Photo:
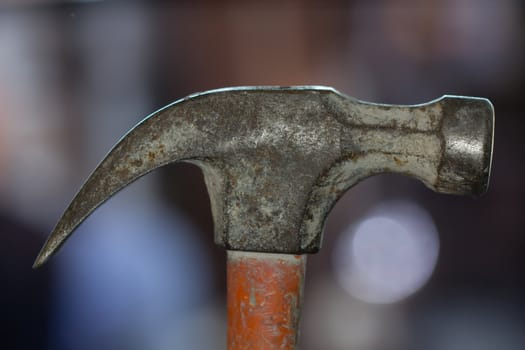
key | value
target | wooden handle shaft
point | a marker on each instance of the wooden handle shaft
(264, 300)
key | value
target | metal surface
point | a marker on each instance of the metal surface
(264, 300)
(276, 159)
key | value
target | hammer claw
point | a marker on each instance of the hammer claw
(154, 142)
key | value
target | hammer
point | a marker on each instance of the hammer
(275, 161)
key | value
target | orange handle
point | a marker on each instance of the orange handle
(264, 300)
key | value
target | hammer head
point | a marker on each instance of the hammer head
(277, 159)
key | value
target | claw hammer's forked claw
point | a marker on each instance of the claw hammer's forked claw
(276, 160)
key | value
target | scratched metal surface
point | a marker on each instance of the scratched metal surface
(277, 159)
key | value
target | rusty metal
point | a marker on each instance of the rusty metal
(277, 159)
(264, 300)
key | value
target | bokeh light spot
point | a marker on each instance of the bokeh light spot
(389, 255)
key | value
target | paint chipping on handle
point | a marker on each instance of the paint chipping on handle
(264, 300)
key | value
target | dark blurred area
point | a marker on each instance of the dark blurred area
(75, 76)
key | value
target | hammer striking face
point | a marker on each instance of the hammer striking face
(276, 159)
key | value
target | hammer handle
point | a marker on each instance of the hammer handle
(264, 300)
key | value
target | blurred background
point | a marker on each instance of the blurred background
(401, 267)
